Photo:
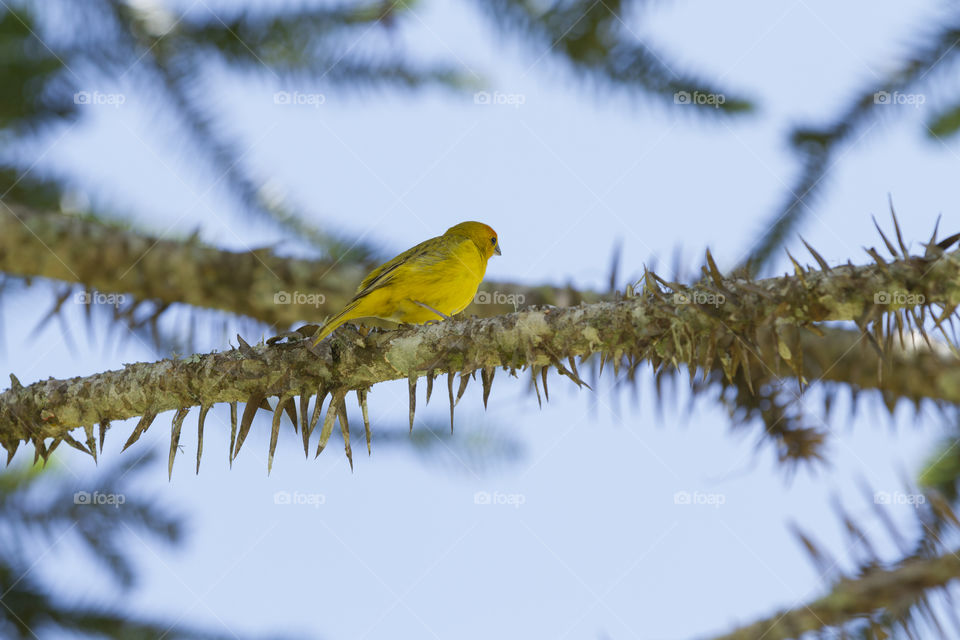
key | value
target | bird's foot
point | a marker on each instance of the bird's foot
(302, 333)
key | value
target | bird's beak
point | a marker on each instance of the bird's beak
(496, 249)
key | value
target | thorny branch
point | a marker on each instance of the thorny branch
(862, 596)
(747, 328)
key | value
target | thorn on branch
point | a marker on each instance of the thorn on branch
(254, 402)
(145, 421)
(175, 427)
(204, 408)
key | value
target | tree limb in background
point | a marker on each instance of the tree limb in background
(169, 55)
(308, 45)
(817, 148)
(43, 507)
(595, 41)
(259, 284)
(34, 93)
(881, 588)
(878, 597)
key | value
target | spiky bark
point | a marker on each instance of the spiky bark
(757, 327)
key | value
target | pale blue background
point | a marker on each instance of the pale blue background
(399, 549)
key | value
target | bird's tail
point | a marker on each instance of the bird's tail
(335, 321)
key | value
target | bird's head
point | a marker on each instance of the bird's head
(482, 235)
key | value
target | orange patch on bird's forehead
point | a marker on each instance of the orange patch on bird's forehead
(473, 228)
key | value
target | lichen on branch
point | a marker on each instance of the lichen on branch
(731, 325)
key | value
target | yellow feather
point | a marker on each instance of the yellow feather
(437, 278)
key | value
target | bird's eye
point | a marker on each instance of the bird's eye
(493, 241)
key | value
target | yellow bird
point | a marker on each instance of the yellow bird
(434, 280)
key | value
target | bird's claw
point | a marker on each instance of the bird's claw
(302, 333)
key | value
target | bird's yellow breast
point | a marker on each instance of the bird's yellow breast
(447, 282)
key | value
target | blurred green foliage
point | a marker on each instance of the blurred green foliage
(47, 517)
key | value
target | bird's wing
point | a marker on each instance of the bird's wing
(426, 253)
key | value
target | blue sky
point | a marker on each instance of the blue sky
(584, 537)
